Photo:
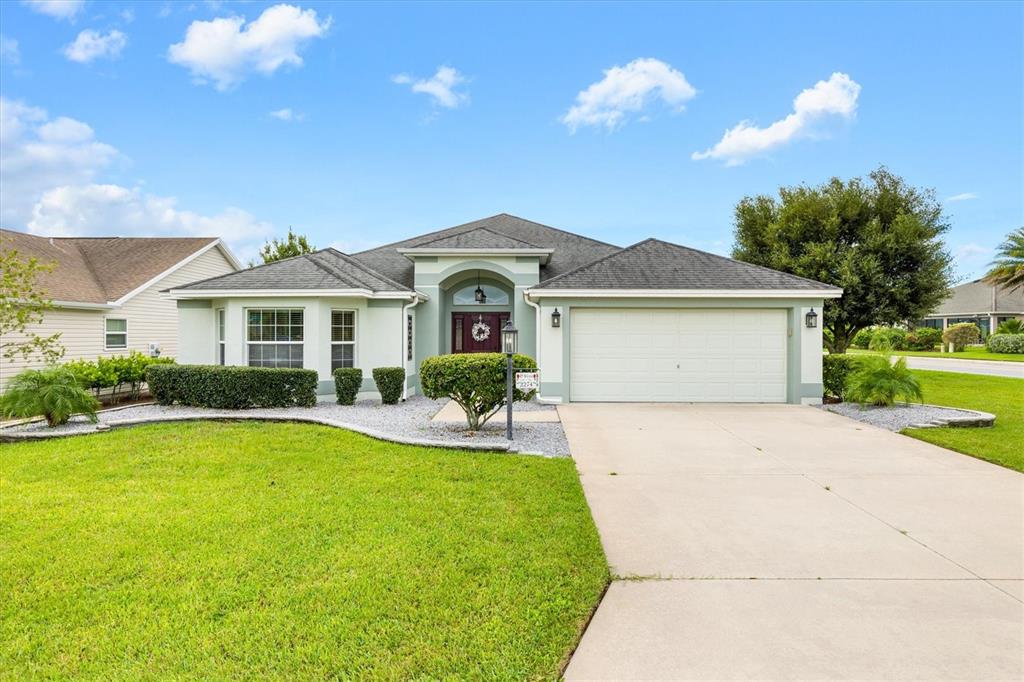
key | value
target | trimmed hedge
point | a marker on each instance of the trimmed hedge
(1006, 343)
(476, 381)
(232, 388)
(347, 382)
(924, 338)
(834, 373)
(962, 334)
(390, 381)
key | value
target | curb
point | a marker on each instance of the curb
(372, 433)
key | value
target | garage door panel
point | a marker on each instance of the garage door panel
(678, 355)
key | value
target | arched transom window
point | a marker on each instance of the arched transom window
(467, 295)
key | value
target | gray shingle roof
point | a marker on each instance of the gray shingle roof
(569, 250)
(977, 297)
(654, 264)
(324, 269)
(480, 238)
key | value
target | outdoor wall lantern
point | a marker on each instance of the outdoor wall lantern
(556, 318)
(479, 294)
(811, 319)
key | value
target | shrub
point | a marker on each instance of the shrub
(962, 334)
(888, 338)
(924, 338)
(91, 375)
(862, 339)
(115, 372)
(1010, 327)
(1006, 343)
(476, 381)
(390, 381)
(347, 381)
(53, 392)
(835, 370)
(233, 388)
(878, 380)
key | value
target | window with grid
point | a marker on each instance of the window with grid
(220, 336)
(116, 333)
(343, 339)
(274, 337)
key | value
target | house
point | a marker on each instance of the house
(651, 322)
(980, 303)
(105, 290)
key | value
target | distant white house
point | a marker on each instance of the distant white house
(105, 291)
(980, 303)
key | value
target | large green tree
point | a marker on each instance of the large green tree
(289, 247)
(879, 238)
(1008, 268)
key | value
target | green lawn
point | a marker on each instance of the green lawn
(962, 355)
(1003, 397)
(258, 550)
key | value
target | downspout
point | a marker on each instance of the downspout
(405, 342)
(537, 330)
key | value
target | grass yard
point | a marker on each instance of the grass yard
(258, 550)
(1003, 397)
(980, 354)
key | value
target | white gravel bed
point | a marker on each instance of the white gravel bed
(410, 420)
(902, 416)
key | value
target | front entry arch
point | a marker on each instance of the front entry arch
(477, 332)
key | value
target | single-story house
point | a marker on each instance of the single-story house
(980, 303)
(651, 322)
(105, 291)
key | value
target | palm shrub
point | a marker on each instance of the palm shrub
(1008, 268)
(476, 381)
(347, 381)
(390, 381)
(1006, 343)
(1014, 326)
(880, 381)
(962, 334)
(924, 338)
(53, 392)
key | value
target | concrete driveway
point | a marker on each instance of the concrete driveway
(995, 368)
(784, 542)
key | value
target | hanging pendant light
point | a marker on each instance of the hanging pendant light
(479, 294)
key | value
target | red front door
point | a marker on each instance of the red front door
(477, 332)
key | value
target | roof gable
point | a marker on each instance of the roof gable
(655, 264)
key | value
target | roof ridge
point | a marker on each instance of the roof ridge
(92, 271)
(558, 229)
(331, 270)
(250, 268)
(477, 229)
(365, 268)
(593, 262)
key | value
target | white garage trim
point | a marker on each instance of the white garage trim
(678, 355)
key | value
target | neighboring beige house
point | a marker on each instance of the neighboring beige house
(106, 290)
(980, 303)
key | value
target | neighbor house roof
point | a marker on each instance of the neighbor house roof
(102, 270)
(325, 269)
(655, 264)
(569, 250)
(979, 298)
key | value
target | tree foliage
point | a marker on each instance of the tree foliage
(1008, 267)
(878, 238)
(289, 247)
(22, 305)
(476, 381)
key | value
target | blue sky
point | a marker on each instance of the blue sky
(392, 120)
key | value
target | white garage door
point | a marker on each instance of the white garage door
(672, 355)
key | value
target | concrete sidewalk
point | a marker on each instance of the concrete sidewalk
(784, 542)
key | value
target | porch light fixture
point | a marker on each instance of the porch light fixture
(556, 318)
(811, 319)
(509, 344)
(479, 296)
(509, 340)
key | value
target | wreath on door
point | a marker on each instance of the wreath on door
(480, 331)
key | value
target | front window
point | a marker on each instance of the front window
(116, 333)
(343, 339)
(220, 336)
(274, 337)
(467, 295)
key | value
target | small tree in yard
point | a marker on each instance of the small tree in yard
(962, 334)
(22, 304)
(476, 381)
(879, 239)
(289, 247)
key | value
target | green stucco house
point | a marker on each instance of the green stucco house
(653, 322)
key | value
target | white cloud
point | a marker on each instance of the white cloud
(10, 54)
(58, 9)
(972, 251)
(91, 44)
(835, 97)
(287, 114)
(37, 153)
(224, 50)
(628, 89)
(441, 86)
(966, 196)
